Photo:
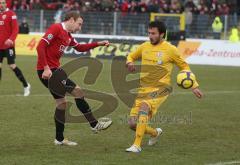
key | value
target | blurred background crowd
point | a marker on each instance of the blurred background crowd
(203, 18)
(217, 7)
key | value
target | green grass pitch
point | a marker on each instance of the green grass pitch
(195, 131)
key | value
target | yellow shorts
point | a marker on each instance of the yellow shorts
(153, 103)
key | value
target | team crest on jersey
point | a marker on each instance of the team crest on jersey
(4, 17)
(62, 48)
(50, 36)
(159, 54)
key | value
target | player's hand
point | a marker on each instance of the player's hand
(103, 43)
(131, 67)
(197, 92)
(8, 43)
(47, 73)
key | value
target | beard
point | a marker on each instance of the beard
(154, 42)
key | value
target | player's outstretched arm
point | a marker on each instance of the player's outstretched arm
(87, 47)
(103, 43)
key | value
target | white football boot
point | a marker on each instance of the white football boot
(27, 90)
(134, 149)
(102, 125)
(65, 142)
(153, 140)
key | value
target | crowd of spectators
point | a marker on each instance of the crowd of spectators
(217, 7)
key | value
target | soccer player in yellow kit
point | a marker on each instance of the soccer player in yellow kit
(160, 55)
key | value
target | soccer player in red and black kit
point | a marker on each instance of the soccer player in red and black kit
(8, 33)
(50, 49)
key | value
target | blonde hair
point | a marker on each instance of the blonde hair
(72, 14)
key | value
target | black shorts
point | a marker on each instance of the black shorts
(59, 84)
(9, 53)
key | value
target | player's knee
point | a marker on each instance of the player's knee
(77, 92)
(12, 66)
(61, 103)
(132, 126)
(144, 107)
(132, 123)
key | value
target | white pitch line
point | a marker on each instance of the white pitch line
(114, 94)
(208, 92)
(225, 163)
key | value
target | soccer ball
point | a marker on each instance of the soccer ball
(185, 79)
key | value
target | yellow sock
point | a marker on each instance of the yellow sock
(151, 131)
(140, 130)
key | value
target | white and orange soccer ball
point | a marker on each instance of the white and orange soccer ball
(185, 79)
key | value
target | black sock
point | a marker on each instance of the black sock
(0, 73)
(20, 76)
(85, 109)
(59, 118)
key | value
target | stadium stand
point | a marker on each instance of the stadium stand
(121, 17)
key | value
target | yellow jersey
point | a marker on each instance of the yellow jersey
(157, 61)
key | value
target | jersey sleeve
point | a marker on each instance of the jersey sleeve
(51, 34)
(176, 57)
(15, 27)
(73, 42)
(133, 56)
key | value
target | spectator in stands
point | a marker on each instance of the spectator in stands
(165, 8)
(15, 5)
(153, 6)
(97, 5)
(67, 7)
(24, 27)
(86, 6)
(175, 7)
(107, 5)
(36, 5)
(24, 5)
(116, 6)
(225, 9)
(134, 7)
(189, 20)
(213, 7)
(76, 6)
(217, 7)
(190, 5)
(217, 27)
(125, 6)
(203, 8)
(234, 37)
